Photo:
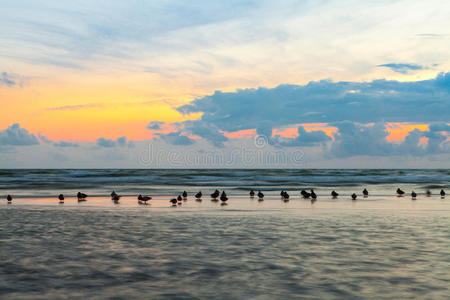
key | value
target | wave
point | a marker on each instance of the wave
(161, 181)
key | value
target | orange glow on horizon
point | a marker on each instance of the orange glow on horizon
(240, 134)
(286, 132)
(399, 131)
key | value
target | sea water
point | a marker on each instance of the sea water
(379, 247)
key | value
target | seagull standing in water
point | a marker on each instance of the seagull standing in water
(81, 196)
(400, 193)
(61, 198)
(184, 194)
(252, 193)
(305, 194)
(215, 194)
(199, 195)
(285, 196)
(260, 195)
(354, 196)
(223, 197)
(365, 192)
(313, 195)
(116, 198)
(413, 195)
(334, 194)
(173, 201)
(9, 198)
(442, 193)
(144, 198)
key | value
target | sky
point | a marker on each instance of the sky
(186, 84)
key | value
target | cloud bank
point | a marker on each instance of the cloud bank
(360, 114)
(17, 136)
(319, 102)
(110, 143)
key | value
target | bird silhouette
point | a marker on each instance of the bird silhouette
(260, 195)
(81, 196)
(365, 192)
(413, 195)
(215, 194)
(184, 194)
(113, 194)
(334, 194)
(199, 195)
(144, 198)
(9, 198)
(223, 197)
(313, 195)
(354, 196)
(442, 193)
(173, 201)
(400, 192)
(179, 198)
(252, 193)
(305, 194)
(61, 198)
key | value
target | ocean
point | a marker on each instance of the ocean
(379, 247)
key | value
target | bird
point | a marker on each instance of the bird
(400, 192)
(428, 193)
(354, 196)
(334, 194)
(179, 198)
(215, 194)
(282, 193)
(223, 197)
(252, 193)
(413, 195)
(116, 198)
(199, 195)
(81, 196)
(442, 193)
(61, 198)
(173, 201)
(184, 194)
(365, 192)
(113, 194)
(260, 195)
(285, 197)
(9, 198)
(313, 195)
(305, 194)
(144, 198)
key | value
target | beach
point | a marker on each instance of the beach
(379, 247)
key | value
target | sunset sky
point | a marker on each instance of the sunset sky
(346, 83)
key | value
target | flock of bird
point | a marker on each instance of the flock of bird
(224, 198)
